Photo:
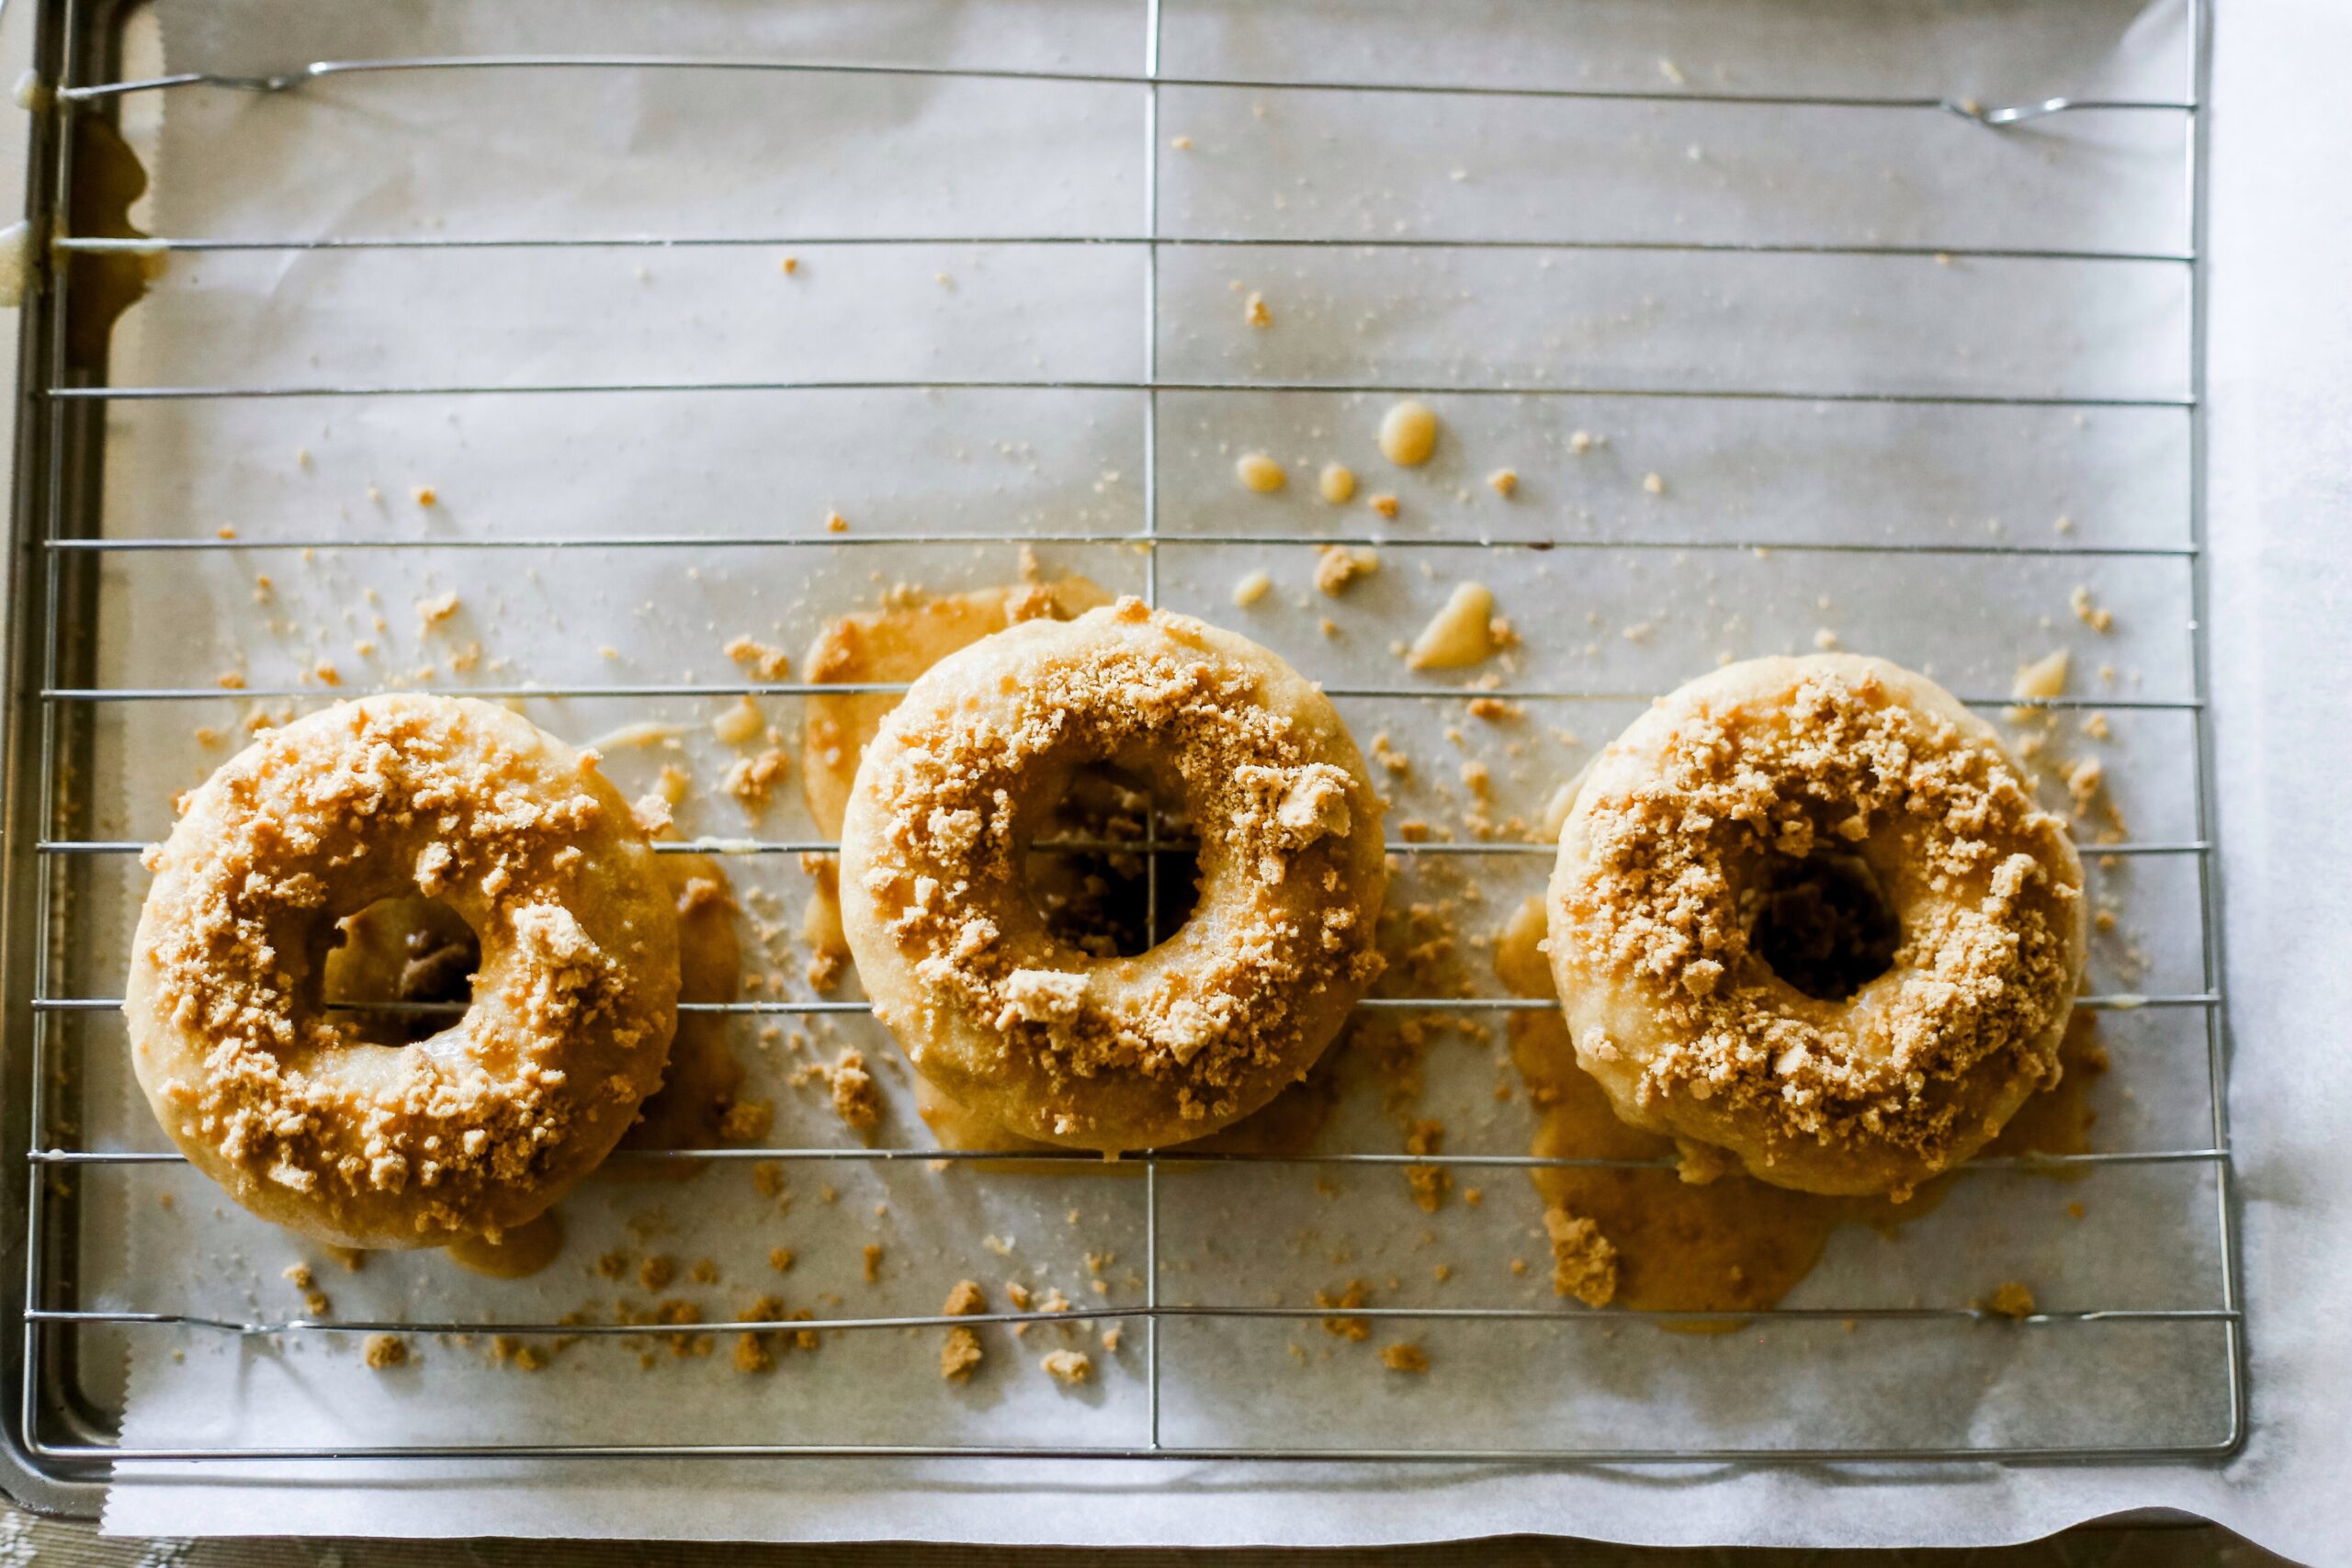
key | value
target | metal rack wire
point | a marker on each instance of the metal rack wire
(45, 840)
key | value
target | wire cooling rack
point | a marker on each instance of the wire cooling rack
(56, 843)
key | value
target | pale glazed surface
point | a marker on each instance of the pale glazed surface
(1691, 1033)
(1028, 1031)
(479, 1128)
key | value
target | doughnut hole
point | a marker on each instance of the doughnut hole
(1823, 923)
(401, 969)
(1091, 891)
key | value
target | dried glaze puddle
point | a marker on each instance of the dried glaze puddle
(1735, 1244)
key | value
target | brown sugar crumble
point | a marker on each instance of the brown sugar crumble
(381, 1352)
(1069, 1368)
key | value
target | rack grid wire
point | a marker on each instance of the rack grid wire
(51, 583)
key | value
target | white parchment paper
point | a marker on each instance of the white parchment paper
(761, 156)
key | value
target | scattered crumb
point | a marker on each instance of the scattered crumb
(1385, 504)
(1338, 483)
(966, 1299)
(1459, 634)
(1671, 72)
(873, 1251)
(1408, 433)
(1404, 1357)
(2089, 613)
(381, 1351)
(1338, 565)
(780, 1258)
(855, 1100)
(1069, 1368)
(750, 1356)
(1182, 143)
(426, 496)
(1504, 483)
(1580, 442)
(959, 1354)
(2094, 725)
(768, 664)
(1654, 483)
(1354, 1329)
(790, 265)
(1584, 1262)
(836, 523)
(1824, 639)
(750, 779)
(655, 1273)
(2084, 781)
(1254, 311)
(1252, 588)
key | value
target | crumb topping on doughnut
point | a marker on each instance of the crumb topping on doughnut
(1988, 959)
(950, 858)
(279, 845)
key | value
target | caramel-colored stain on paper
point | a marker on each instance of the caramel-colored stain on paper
(1736, 1244)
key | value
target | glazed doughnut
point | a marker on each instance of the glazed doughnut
(1030, 1032)
(480, 1127)
(414, 950)
(1705, 818)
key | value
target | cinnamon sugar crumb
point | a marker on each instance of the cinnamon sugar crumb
(1584, 1262)
(959, 1354)
(2089, 613)
(1404, 1356)
(1353, 1329)
(767, 664)
(855, 1100)
(751, 779)
(1338, 565)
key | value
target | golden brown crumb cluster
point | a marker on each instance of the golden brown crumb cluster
(1826, 755)
(480, 1127)
(965, 781)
